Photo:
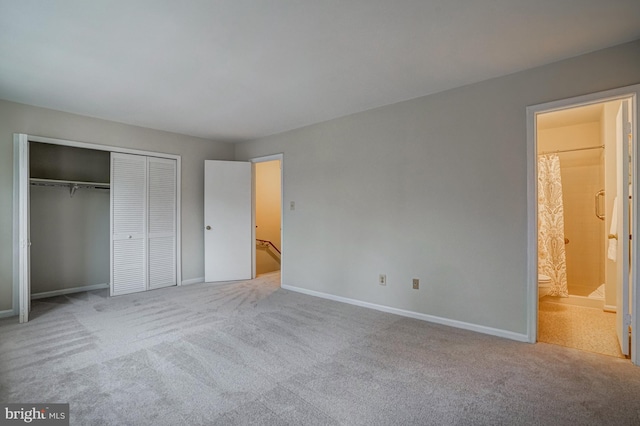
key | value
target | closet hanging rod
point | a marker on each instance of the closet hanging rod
(558, 151)
(73, 185)
(52, 182)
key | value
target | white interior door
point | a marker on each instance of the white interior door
(228, 239)
(623, 319)
(128, 223)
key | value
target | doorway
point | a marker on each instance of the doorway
(577, 253)
(581, 294)
(243, 219)
(267, 216)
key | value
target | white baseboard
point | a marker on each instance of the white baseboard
(610, 308)
(7, 313)
(193, 281)
(416, 315)
(68, 291)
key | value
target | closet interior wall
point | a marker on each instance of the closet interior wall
(69, 232)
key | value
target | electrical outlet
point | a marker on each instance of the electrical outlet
(382, 279)
(416, 284)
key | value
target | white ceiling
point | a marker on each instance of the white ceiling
(241, 69)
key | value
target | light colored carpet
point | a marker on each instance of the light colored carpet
(588, 329)
(252, 353)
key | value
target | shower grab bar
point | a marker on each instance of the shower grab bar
(598, 195)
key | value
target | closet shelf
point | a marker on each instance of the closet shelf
(73, 185)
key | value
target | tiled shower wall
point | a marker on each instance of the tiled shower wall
(585, 251)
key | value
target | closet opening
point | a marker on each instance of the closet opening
(92, 220)
(69, 222)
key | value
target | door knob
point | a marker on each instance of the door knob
(208, 228)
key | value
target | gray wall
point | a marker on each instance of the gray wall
(18, 118)
(69, 238)
(433, 188)
(61, 162)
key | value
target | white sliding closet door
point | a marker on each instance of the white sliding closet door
(128, 223)
(162, 222)
(143, 223)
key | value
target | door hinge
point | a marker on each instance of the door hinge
(627, 320)
(627, 128)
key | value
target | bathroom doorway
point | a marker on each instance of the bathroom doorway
(583, 210)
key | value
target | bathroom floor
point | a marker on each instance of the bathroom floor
(578, 327)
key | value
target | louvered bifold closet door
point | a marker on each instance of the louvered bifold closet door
(128, 223)
(162, 222)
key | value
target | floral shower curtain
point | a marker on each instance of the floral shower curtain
(551, 253)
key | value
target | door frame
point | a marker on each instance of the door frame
(253, 161)
(632, 92)
(22, 218)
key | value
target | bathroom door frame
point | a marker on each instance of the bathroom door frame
(628, 92)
